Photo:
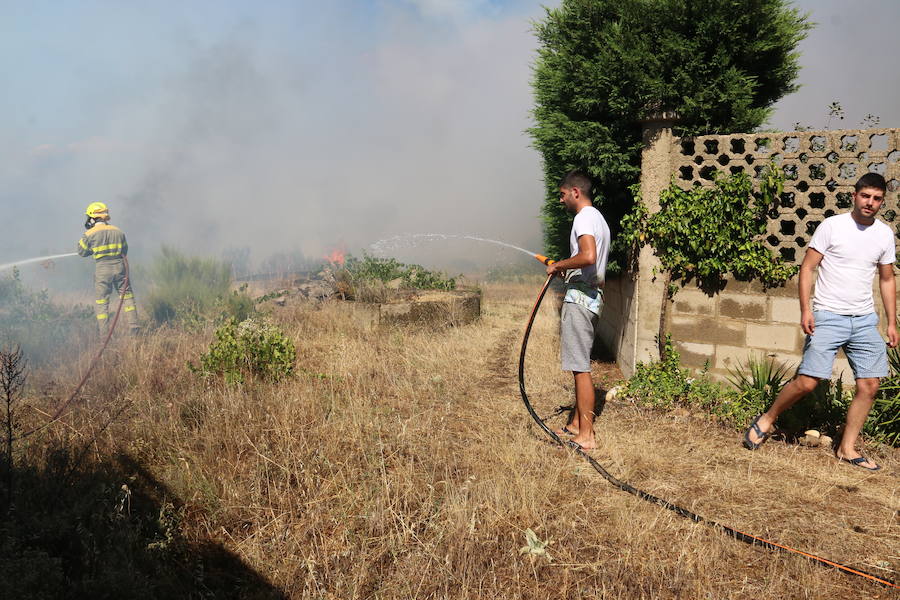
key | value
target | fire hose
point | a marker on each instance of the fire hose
(747, 538)
(112, 327)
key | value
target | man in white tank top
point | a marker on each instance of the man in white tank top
(848, 249)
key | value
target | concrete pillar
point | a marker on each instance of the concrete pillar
(649, 293)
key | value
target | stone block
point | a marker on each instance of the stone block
(786, 337)
(729, 357)
(788, 290)
(431, 308)
(695, 355)
(785, 310)
(743, 307)
(791, 359)
(693, 302)
(707, 330)
(733, 286)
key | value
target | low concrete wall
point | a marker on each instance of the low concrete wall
(431, 308)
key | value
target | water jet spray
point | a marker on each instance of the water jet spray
(381, 246)
(34, 260)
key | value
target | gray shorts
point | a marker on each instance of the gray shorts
(577, 328)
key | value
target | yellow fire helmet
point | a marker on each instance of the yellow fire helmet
(96, 209)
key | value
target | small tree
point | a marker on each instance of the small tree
(605, 64)
(12, 382)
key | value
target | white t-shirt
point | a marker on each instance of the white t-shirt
(589, 221)
(851, 253)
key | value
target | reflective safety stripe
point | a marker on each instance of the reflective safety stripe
(128, 296)
(82, 244)
(107, 250)
(102, 301)
(129, 308)
(102, 316)
(108, 247)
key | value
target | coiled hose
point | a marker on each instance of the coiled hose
(729, 531)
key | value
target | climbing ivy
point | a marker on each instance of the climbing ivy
(706, 233)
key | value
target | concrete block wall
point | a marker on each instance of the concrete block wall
(721, 331)
(744, 319)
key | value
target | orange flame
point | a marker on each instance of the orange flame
(336, 257)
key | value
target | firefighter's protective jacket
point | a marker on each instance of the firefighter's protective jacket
(103, 241)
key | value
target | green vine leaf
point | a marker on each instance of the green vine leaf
(707, 233)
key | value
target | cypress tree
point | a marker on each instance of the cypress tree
(603, 65)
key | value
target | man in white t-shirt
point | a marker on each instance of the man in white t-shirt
(585, 272)
(847, 249)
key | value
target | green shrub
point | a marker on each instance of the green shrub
(666, 384)
(370, 268)
(757, 384)
(253, 347)
(372, 279)
(29, 319)
(883, 423)
(193, 290)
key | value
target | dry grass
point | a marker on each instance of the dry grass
(401, 464)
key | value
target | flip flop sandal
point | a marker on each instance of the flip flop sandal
(750, 444)
(858, 462)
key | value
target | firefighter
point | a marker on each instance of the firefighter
(107, 244)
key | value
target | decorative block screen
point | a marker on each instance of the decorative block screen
(820, 170)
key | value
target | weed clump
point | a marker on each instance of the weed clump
(253, 347)
(665, 384)
(29, 320)
(370, 278)
(193, 290)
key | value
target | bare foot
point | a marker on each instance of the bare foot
(586, 443)
(566, 430)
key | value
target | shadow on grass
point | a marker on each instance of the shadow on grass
(109, 531)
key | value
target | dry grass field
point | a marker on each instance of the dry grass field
(402, 464)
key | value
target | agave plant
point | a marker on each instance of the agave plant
(764, 376)
(883, 423)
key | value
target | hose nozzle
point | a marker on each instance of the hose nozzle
(544, 259)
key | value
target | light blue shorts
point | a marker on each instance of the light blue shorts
(866, 350)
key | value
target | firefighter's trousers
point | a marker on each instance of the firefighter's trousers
(109, 275)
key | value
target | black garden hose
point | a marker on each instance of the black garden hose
(729, 531)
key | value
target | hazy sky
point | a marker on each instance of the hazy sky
(300, 125)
